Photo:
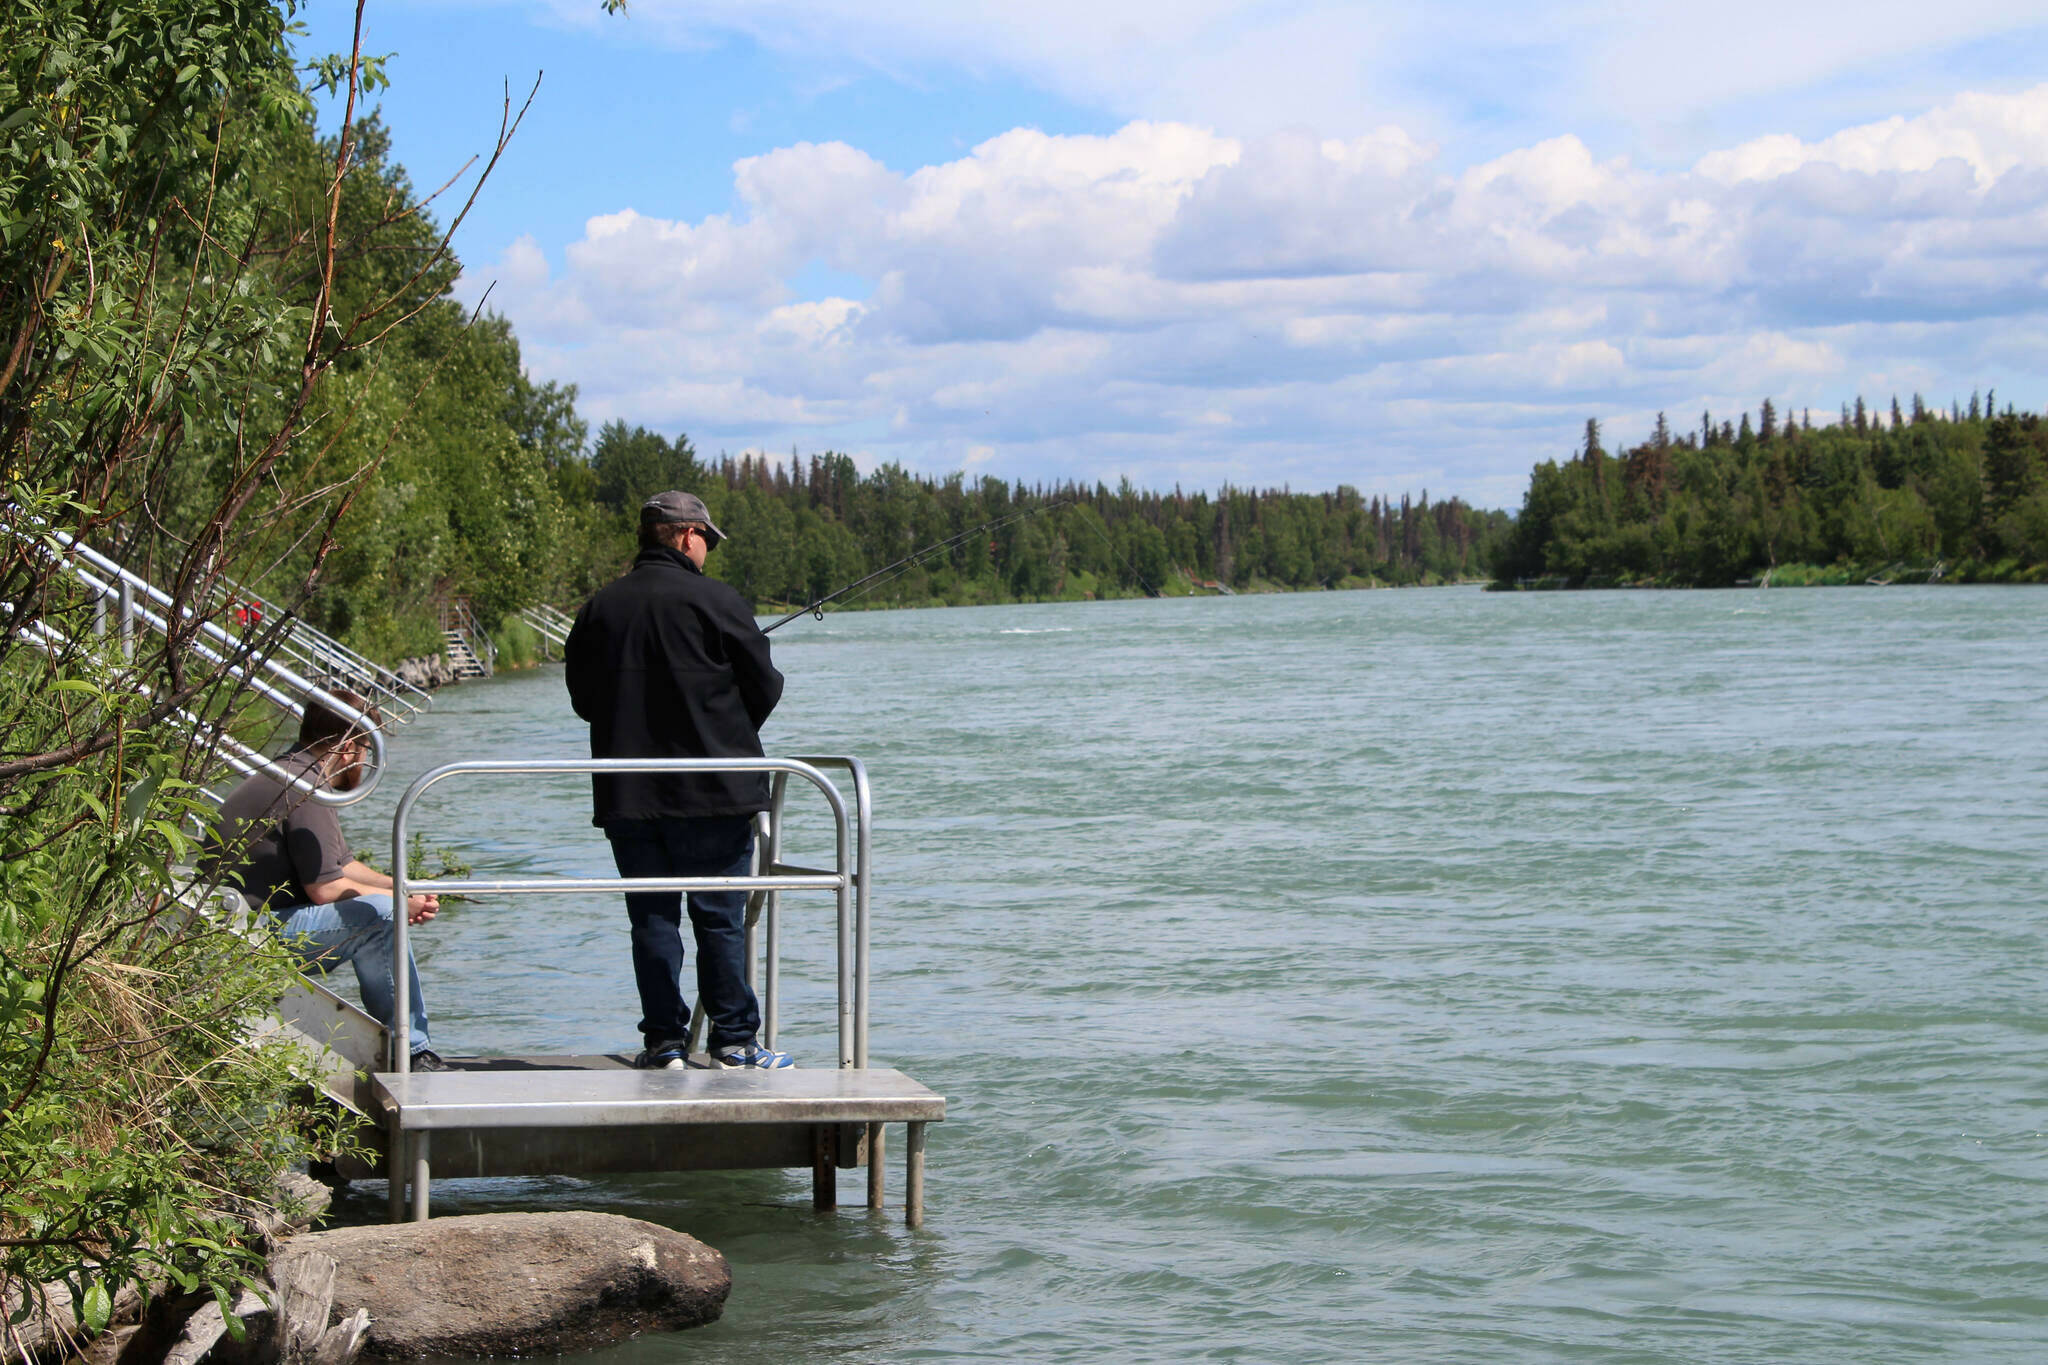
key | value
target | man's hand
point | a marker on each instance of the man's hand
(420, 909)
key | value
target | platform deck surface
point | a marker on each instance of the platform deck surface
(598, 1093)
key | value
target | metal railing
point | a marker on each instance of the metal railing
(848, 879)
(550, 623)
(317, 655)
(110, 582)
(320, 655)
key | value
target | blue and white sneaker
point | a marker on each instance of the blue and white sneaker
(739, 1056)
(662, 1057)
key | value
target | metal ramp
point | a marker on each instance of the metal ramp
(308, 652)
(137, 603)
(596, 1115)
(550, 623)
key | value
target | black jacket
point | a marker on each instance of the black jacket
(666, 663)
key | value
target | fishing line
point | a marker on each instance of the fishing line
(889, 573)
(902, 566)
(1150, 589)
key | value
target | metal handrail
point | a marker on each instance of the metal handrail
(316, 643)
(547, 623)
(317, 649)
(849, 879)
(864, 824)
(125, 584)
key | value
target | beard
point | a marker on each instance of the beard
(349, 778)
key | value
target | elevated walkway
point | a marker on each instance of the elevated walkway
(308, 652)
(505, 1116)
(551, 624)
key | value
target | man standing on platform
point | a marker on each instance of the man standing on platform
(668, 663)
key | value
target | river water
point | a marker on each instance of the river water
(1409, 976)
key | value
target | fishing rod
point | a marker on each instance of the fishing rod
(903, 565)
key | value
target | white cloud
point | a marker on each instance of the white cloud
(1989, 134)
(1194, 308)
(1658, 70)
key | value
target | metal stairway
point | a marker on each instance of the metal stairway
(461, 657)
(470, 651)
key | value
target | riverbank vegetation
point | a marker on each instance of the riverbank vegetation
(217, 336)
(1912, 495)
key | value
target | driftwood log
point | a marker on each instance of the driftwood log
(286, 1324)
(143, 1329)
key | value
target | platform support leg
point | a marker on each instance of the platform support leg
(422, 1177)
(394, 1171)
(875, 1166)
(913, 1175)
(825, 1167)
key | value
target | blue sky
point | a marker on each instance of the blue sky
(1255, 241)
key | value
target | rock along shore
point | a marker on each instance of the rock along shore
(429, 671)
(514, 1284)
(495, 1284)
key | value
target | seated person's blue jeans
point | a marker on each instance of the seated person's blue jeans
(700, 846)
(356, 931)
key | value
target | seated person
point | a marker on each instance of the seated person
(286, 853)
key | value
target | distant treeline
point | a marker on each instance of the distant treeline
(1960, 495)
(806, 527)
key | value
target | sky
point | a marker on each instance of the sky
(1255, 242)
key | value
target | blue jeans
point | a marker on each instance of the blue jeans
(701, 846)
(356, 931)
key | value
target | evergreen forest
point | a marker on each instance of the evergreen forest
(802, 529)
(1913, 495)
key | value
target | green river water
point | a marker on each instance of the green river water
(1405, 976)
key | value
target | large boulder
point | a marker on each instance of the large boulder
(518, 1284)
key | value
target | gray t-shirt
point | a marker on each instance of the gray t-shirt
(274, 841)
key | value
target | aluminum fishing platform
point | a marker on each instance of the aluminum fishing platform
(504, 1116)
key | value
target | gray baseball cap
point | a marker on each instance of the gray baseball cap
(674, 506)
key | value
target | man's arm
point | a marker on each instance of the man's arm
(354, 879)
(577, 665)
(758, 680)
(360, 879)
